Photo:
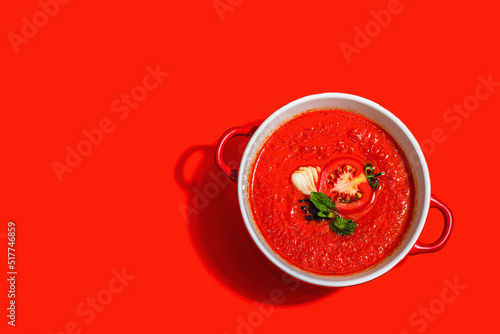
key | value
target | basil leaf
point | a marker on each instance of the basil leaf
(342, 226)
(325, 214)
(325, 207)
(322, 202)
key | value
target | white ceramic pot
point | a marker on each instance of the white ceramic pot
(376, 113)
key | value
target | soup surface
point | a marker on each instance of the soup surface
(316, 138)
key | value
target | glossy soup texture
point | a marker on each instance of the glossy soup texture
(314, 138)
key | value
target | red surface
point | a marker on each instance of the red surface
(124, 204)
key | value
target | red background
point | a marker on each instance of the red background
(124, 205)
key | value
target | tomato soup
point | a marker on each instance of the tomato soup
(321, 138)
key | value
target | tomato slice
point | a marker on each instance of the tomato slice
(344, 181)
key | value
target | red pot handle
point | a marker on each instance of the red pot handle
(247, 131)
(419, 247)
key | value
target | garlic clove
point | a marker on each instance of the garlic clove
(305, 179)
(300, 182)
